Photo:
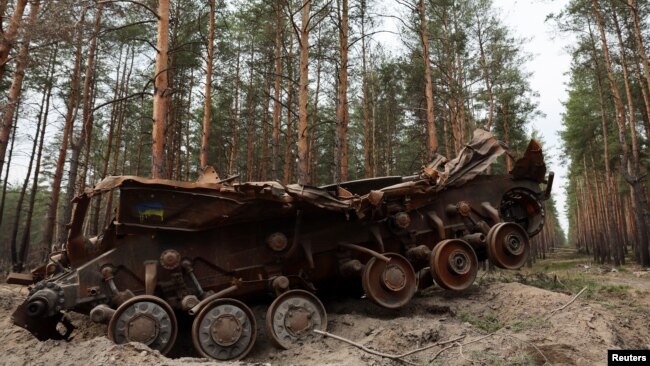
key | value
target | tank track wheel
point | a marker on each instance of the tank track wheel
(145, 319)
(453, 264)
(293, 316)
(391, 285)
(224, 330)
(508, 245)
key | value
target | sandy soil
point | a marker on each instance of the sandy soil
(500, 324)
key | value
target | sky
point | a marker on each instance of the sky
(549, 65)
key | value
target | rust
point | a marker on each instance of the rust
(204, 247)
(170, 259)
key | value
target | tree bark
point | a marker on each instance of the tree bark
(71, 107)
(9, 37)
(628, 169)
(6, 178)
(303, 95)
(367, 128)
(86, 130)
(250, 121)
(342, 107)
(160, 93)
(288, 154)
(17, 83)
(234, 126)
(207, 106)
(277, 105)
(432, 141)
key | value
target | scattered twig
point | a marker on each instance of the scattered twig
(570, 302)
(387, 355)
(430, 346)
(546, 361)
(441, 351)
(362, 347)
(460, 350)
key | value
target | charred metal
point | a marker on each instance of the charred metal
(208, 248)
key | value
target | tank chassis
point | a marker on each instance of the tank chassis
(208, 247)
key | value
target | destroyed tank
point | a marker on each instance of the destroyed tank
(207, 249)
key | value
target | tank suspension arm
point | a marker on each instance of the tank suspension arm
(187, 267)
(364, 250)
(218, 295)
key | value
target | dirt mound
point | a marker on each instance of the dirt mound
(502, 323)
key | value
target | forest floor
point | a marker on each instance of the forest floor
(526, 317)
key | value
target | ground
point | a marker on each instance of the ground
(526, 317)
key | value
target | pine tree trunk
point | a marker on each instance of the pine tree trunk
(9, 37)
(432, 141)
(264, 158)
(7, 167)
(303, 94)
(277, 105)
(250, 121)
(288, 156)
(207, 105)
(188, 151)
(628, 169)
(27, 231)
(71, 111)
(17, 83)
(234, 126)
(342, 111)
(315, 117)
(367, 129)
(486, 75)
(160, 93)
(19, 255)
(86, 130)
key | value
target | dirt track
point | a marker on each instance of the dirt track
(522, 328)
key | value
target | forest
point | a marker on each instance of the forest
(310, 92)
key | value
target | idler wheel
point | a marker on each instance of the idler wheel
(293, 316)
(508, 245)
(225, 329)
(145, 319)
(392, 284)
(453, 264)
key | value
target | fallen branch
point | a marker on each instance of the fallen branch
(440, 352)
(570, 302)
(430, 346)
(387, 355)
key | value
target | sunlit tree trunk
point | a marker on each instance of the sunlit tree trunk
(9, 36)
(71, 111)
(432, 142)
(277, 92)
(207, 105)
(628, 169)
(160, 93)
(17, 83)
(303, 96)
(27, 231)
(342, 107)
